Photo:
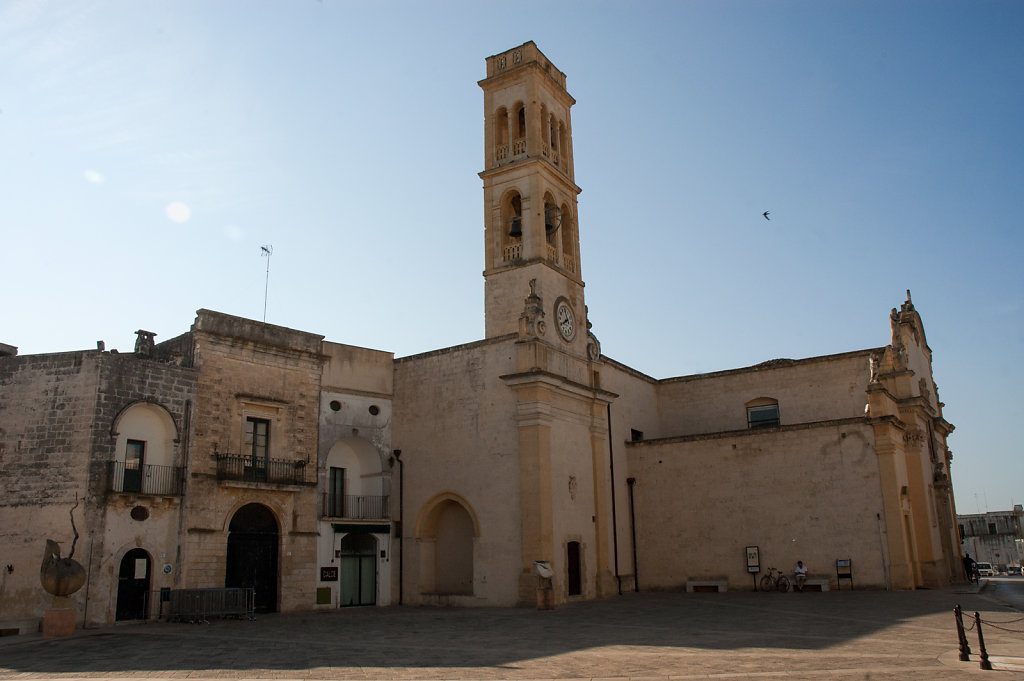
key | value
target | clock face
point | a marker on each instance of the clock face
(565, 321)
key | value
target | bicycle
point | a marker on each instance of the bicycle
(775, 579)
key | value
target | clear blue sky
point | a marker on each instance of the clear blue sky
(885, 139)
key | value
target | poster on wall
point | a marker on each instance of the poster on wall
(753, 559)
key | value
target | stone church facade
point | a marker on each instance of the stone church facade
(325, 475)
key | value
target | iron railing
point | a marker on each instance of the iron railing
(163, 481)
(199, 605)
(354, 507)
(256, 469)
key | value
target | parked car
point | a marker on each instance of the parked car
(1013, 570)
(984, 569)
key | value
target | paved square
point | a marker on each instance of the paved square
(657, 636)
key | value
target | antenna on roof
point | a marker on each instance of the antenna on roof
(266, 251)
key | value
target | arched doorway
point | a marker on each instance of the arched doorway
(133, 585)
(357, 571)
(252, 554)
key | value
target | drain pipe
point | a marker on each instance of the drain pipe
(615, 524)
(632, 527)
(401, 517)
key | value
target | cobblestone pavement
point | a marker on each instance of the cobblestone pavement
(648, 636)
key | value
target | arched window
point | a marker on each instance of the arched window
(763, 412)
(521, 122)
(563, 147)
(511, 227)
(501, 150)
(568, 239)
(144, 452)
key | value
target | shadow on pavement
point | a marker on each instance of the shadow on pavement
(501, 638)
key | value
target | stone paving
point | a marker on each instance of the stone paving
(644, 637)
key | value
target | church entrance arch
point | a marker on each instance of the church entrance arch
(357, 570)
(252, 554)
(133, 585)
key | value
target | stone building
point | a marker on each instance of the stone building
(995, 537)
(326, 475)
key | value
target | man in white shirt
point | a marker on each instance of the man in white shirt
(800, 572)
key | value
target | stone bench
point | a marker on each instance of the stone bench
(814, 584)
(717, 585)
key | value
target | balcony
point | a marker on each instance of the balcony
(254, 469)
(158, 481)
(354, 507)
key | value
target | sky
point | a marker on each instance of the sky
(149, 149)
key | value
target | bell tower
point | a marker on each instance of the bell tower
(530, 205)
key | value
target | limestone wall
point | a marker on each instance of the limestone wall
(809, 494)
(248, 369)
(58, 437)
(808, 390)
(454, 420)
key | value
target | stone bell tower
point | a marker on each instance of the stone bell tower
(530, 209)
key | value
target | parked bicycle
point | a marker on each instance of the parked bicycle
(774, 579)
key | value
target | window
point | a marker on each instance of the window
(336, 493)
(763, 416)
(134, 459)
(257, 448)
(992, 528)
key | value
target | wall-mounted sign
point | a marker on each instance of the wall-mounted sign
(753, 559)
(328, 574)
(167, 568)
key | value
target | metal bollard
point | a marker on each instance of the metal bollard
(985, 664)
(965, 648)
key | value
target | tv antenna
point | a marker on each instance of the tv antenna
(266, 251)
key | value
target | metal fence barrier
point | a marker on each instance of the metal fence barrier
(197, 606)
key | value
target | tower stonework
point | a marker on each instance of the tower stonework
(530, 207)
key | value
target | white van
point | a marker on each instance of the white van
(984, 569)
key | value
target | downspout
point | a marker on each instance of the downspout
(632, 527)
(401, 516)
(615, 524)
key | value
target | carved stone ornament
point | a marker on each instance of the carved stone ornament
(531, 321)
(914, 437)
(875, 364)
(593, 347)
(923, 387)
(573, 487)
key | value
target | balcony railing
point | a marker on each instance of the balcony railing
(164, 481)
(255, 469)
(354, 507)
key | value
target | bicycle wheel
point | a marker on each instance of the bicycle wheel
(767, 583)
(783, 583)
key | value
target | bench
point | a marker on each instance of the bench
(716, 585)
(814, 584)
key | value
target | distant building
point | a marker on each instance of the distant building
(995, 537)
(243, 454)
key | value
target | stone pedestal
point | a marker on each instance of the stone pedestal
(59, 622)
(545, 598)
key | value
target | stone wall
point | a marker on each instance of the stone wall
(57, 439)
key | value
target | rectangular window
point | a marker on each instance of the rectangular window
(134, 460)
(992, 528)
(764, 416)
(336, 493)
(257, 448)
